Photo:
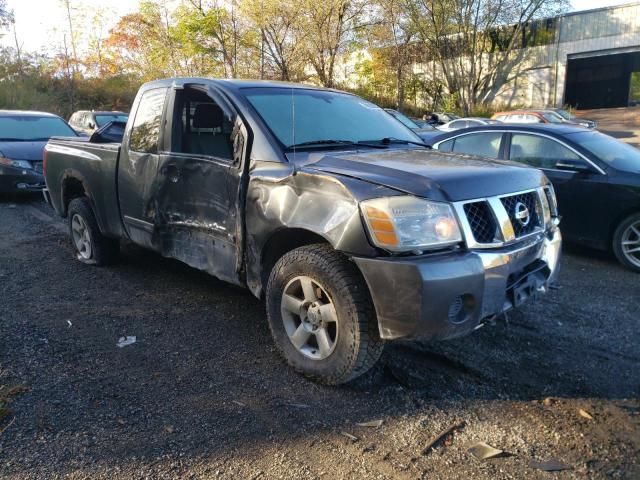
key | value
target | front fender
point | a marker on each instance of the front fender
(323, 204)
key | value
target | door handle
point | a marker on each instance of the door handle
(171, 172)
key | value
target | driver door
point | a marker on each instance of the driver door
(198, 183)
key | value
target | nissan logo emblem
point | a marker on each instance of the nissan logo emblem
(522, 214)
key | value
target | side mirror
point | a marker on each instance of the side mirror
(92, 125)
(573, 166)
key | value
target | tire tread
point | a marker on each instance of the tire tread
(349, 279)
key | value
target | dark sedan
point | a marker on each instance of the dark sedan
(595, 176)
(23, 136)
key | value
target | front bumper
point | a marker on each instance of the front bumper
(449, 295)
(20, 180)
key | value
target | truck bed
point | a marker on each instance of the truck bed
(96, 164)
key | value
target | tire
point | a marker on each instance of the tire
(331, 295)
(626, 239)
(90, 245)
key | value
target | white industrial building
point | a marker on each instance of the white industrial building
(588, 65)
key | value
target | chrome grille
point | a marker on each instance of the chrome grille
(531, 201)
(483, 225)
(495, 221)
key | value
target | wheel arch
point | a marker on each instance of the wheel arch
(72, 185)
(281, 242)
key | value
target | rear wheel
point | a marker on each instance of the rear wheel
(91, 246)
(626, 242)
(321, 315)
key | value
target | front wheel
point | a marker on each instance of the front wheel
(321, 315)
(626, 242)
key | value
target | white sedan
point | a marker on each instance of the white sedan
(466, 123)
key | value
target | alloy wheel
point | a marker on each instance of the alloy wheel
(81, 236)
(631, 243)
(309, 318)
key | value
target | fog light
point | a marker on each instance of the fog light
(460, 308)
(455, 308)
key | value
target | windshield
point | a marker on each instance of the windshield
(25, 128)
(300, 116)
(614, 152)
(552, 117)
(104, 119)
(404, 119)
(564, 114)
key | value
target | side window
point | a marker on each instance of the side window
(531, 119)
(200, 126)
(484, 144)
(146, 125)
(458, 124)
(446, 146)
(539, 152)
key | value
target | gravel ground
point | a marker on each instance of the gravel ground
(203, 394)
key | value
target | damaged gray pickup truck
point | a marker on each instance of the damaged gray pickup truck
(351, 229)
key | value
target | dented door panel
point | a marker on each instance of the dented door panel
(194, 213)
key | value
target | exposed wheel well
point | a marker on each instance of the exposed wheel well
(71, 188)
(284, 241)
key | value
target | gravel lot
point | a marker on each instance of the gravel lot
(203, 394)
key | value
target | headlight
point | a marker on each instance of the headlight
(408, 223)
(15, 163)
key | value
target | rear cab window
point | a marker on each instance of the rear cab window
(145, 131)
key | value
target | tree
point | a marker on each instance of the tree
(477, 44)
(281, 37)
(329, 27)
(145, 43)
(6, 15)
(216, 30)
(392, 35)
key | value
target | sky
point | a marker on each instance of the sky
(37, 20)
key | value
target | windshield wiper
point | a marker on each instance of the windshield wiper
(389, 140)
(331, 141)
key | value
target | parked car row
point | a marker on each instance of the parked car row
(23, 135)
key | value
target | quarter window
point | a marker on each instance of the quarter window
(485, 144)
(539, 152)
(146, 125)
(446, 146)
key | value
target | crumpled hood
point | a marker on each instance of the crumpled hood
(23, 150)
(428, 173)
